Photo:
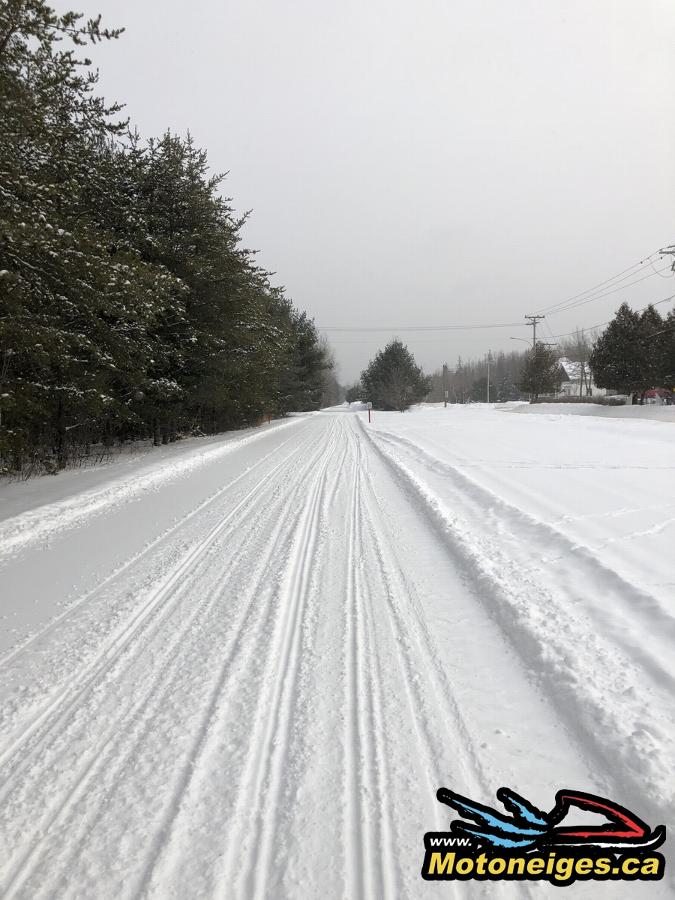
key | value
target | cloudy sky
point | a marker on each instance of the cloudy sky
(423, 163)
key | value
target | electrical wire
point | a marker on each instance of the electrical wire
(590, 295)
(592, 299)
(397, 328)
(620, 276)
(602, 324)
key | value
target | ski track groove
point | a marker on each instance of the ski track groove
(260, 786)
(99, 759)
(257, 616)
(465, 753)
(171, 663)
(21, 871)
(107, 657)
(13, 652)
(353, 837)
(363, 517)
(386, 872)
(387, 658)
(264, 622)
(277, 737)
(50, 516)
(397, 586)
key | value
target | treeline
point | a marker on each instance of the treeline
(635, 353)
(467, 380)
(128, 306)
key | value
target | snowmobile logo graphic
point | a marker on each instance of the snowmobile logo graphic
(527, 844)
(528, 828)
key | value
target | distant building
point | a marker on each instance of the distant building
(577, 380)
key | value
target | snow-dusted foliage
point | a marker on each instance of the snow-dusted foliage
(128, 305)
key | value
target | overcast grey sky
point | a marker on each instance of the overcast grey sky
(422, 162)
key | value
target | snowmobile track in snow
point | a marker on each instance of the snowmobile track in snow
(278, 685)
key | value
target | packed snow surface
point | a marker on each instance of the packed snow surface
(243, 668)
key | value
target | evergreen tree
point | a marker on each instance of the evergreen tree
(74, 331)
(128, 306)
(541, 373)
(301, 383)
(668, 350)
(652, 342)
(393, 380)
(630, 355)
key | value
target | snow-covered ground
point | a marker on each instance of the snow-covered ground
(653, 411)
(244, 667)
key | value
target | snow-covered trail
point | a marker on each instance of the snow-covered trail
(259, 688)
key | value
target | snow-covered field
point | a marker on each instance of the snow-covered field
(243, 667)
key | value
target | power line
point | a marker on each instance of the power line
(590, 295)
(375, 328)
(595, 297)
(601, 324)
(656, 271)
(663, 331)
(625, 273)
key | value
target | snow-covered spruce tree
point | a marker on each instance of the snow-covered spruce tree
(393, 380)
(73, 333)
(541, 372)
(242, 349)
(128, 306)
(301, 383)
(653, 342)
(632, 353)
(353, 393)
(667, 338)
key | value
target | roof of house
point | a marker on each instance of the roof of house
(570, 368)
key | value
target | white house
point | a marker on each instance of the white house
(578, 380)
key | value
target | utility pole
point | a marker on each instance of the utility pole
(445, 385)
(533, 322)
(489, 360)
(669, 251)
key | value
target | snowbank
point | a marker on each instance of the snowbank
(648, 411)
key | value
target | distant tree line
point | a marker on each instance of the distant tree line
(635, 353)
(128, 306)
(467, 380)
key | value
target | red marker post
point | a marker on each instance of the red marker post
(370, 406)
